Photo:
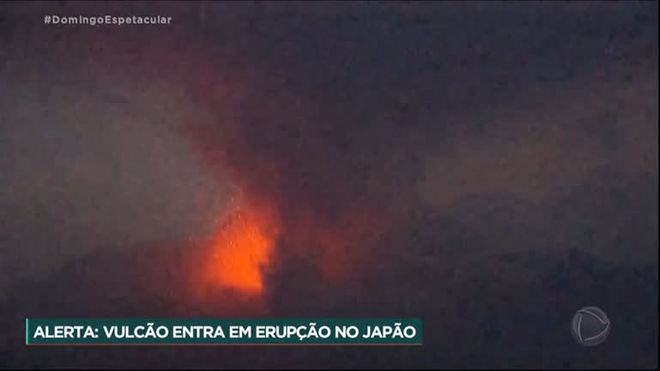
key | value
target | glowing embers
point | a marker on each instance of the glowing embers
(239, 250)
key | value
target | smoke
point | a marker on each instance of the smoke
(343, 133)
(332, 179)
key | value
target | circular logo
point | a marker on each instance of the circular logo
(590, 326)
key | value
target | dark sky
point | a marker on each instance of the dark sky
(489, 167)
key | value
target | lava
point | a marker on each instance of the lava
(239, 250)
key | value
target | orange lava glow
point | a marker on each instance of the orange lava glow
(239, 250)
